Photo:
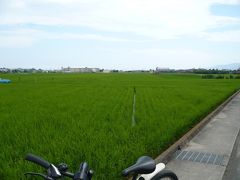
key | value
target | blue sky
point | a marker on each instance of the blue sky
(114, 34)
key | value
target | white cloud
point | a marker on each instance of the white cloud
(26, 37)
(57, 1)
(228, 36)
(231, 2)
(77, 36)
(18, 38)
(16, 41)
(151, 18)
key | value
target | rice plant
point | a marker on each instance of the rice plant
(88, 117)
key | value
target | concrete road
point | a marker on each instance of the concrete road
(233, 168)
(213, 150)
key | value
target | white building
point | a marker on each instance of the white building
(80, 70)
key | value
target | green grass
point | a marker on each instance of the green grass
(76, 117)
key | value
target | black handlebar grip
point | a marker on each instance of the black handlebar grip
(37, 160)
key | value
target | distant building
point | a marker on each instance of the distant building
(163, 69)
(107, 71)
(4, 70)
(151, 71)
(80, 70)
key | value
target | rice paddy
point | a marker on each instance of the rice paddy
(88, 117)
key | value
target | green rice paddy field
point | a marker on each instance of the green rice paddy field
(75, 117)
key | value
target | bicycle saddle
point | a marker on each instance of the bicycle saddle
(144, 165)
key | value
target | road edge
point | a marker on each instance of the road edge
(167, 154)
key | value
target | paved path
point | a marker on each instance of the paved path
(233, 168)
(207, 155)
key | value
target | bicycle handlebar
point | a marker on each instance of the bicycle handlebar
(84, 173)
(37, 160)
(67, 174)
(142, 166)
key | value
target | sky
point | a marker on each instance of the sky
(119, 34)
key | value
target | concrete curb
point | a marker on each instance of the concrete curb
(166, 155)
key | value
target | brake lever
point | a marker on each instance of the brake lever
(38, 174)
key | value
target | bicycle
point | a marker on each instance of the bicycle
(144, 169)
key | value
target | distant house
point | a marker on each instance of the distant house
(80, 70)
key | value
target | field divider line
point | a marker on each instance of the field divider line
(134, 109)
(168, 153)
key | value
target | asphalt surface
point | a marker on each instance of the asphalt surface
(214, 153)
